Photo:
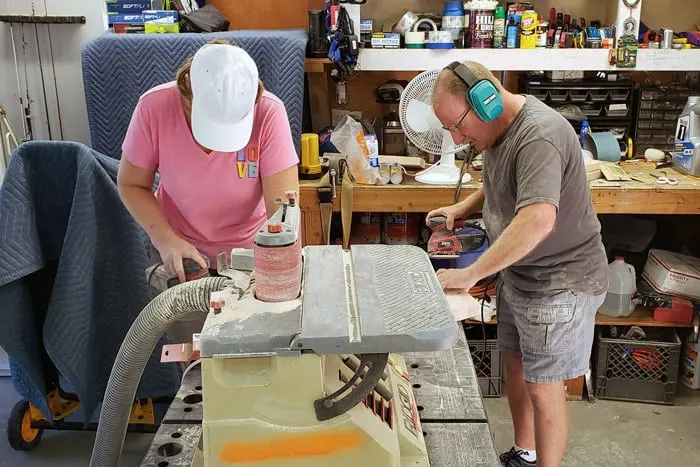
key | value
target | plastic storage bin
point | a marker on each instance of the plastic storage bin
(639, 371)
(622, 285)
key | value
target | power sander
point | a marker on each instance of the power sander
(458, 247)
(300, 357)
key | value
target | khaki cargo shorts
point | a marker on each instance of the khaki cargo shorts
(553, 334)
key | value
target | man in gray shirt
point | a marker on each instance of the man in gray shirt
(545, 245)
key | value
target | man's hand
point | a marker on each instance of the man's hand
(457, 278)
(450, 213)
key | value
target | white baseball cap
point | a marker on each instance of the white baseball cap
(224, 81)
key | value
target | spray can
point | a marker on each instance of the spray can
(511, 35)
(528, 30)
(585, 129)
(499, 27)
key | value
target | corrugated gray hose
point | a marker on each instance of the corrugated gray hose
(138, 345)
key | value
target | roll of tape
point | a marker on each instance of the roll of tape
(416, 38)
(406, 23)
(604, 146)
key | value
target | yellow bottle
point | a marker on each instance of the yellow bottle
(528, 30)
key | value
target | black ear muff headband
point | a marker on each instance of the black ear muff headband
(464, 73)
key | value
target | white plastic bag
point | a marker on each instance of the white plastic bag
(349, 139)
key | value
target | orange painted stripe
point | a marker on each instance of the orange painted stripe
(296, 445)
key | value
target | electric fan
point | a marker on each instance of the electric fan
(425, 131)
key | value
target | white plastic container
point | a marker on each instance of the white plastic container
(622, 286)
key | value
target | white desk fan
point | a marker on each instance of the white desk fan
(425, 131)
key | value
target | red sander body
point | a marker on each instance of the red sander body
(446, 243)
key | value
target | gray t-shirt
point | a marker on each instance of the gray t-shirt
(538, 159)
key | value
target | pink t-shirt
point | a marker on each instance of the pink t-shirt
(214, 201)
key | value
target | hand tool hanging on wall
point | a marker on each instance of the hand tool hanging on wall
(9, 140)
(344, 48)
(41, 74)
(25, 108)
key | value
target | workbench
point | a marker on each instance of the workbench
(410, 196)
(448, 399)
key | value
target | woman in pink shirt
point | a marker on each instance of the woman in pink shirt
(224, 151)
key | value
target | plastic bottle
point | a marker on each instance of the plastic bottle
(528, 30)
(453, 21)
(686, 156)
(499, 27)
(585, 129)
(622, 286)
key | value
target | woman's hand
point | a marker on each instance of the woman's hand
(449, 212)
(174, 250)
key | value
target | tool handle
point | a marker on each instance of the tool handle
(437, 221)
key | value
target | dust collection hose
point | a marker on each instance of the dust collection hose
(134, 353)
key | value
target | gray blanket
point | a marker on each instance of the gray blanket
(118, 68)
(72, 274)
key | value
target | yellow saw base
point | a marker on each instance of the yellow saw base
(259, 411)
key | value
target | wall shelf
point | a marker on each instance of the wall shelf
(526, 60)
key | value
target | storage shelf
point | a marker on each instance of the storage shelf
(526, 60)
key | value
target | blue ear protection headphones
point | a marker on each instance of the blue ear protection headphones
(482, 95)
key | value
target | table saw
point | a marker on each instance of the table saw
(306, 359)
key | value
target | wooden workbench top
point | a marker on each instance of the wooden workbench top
(626, 198)
(640, 317)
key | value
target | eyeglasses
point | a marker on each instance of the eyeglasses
(456, 126)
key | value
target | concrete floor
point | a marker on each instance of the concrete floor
(602, 434)
(611, 433)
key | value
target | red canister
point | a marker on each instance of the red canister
(366, 228)
(401, 228)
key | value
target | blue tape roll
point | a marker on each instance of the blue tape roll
(604, 146)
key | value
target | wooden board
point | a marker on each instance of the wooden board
(460, 445)
(639, 317)
(264, 14)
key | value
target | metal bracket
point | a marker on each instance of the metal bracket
(372, 366)
(43, 19)
(336, 165)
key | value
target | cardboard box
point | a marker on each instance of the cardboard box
(161, 28)
(163, 16)
(574, 388)
(386, 40)
(128, 6)
(673, 273)
(125, 19)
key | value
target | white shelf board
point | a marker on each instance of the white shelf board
(525, 59)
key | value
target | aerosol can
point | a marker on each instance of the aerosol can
(686, 155)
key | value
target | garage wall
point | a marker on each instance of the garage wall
(61, 63)
(59, 50)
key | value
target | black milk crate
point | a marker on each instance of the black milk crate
(639, 370)
(488, 366)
